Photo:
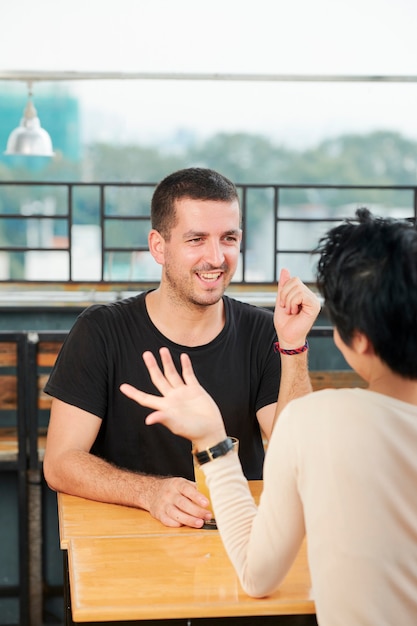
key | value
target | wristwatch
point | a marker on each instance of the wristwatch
(210, 454)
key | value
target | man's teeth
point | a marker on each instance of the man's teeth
(210, 276)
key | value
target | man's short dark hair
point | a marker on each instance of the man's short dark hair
(194, 182)
(367, 274)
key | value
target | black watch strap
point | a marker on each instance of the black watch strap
(209, 454)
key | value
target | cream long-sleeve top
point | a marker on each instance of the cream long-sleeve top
(341, 466)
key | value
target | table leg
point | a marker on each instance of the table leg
(67, 595)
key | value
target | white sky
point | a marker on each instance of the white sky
(239, 36)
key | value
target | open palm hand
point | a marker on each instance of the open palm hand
(184, 406)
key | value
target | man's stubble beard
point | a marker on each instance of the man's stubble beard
(182, 295)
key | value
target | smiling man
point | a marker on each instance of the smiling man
(98, 444)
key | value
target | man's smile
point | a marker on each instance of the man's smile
(209, 276)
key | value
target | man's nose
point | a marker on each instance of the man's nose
(214, 253)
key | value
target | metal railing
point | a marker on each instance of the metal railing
(69, 235)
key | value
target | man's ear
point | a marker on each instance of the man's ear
(156, 245)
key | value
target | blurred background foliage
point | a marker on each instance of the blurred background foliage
(382, 158)
(377, 158)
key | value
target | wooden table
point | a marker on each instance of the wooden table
(79, 517)
(124, 565)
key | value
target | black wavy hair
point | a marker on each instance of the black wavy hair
(367, 275)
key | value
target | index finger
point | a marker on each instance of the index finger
(284, 277)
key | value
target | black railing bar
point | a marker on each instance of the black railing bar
(415, 207)
(12, 336)
(127, 218)
(239, 185)
(120, 285)
(102, 235)
(24, 547)
(295, 251)
(116, 285)
(36, 216)
(19, 339)
(139, 218)
(27, 249)
(92, 284)
(56, 183)
(334, 220)
(32, 400)
(243, 251)
(276, 212)
(312, 220)
(322, 186)
(70, 214)
(126, 249)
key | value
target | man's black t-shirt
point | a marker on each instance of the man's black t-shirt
(239, 369)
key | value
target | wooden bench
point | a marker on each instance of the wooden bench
(9, 446)
(25, 363)
(46, 354)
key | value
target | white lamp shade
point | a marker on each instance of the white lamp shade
(29, 138)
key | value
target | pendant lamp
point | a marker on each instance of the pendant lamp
(29, 139)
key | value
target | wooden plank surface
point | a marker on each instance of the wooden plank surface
(44, 400)
(171, 576)
(8, 353)
(47, 353)
(8, 392)
(9, 446)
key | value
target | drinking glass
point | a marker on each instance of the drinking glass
(200, 480)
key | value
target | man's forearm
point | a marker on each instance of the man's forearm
(295, 380)
(83, 474)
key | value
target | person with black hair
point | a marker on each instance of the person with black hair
(98, 446)
(341, 465)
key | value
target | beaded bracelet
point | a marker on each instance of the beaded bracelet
(291, 351)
